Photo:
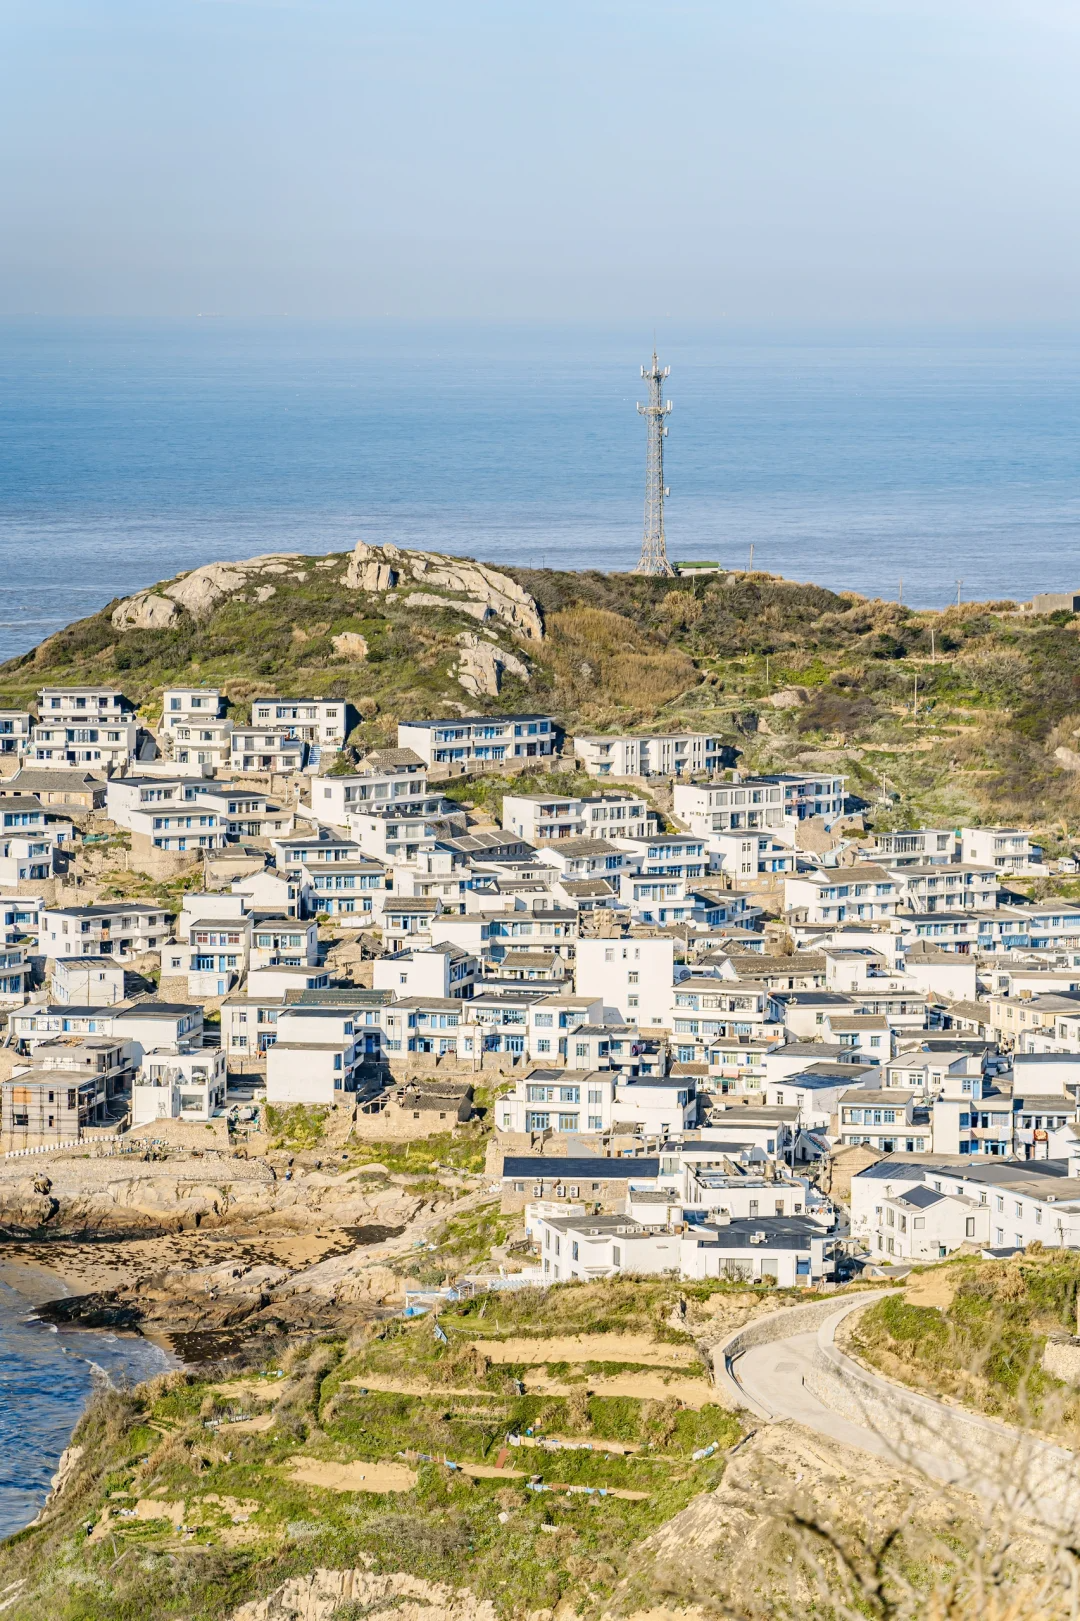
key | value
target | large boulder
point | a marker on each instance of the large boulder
(349, 644)
(481, 665)
(147, 611)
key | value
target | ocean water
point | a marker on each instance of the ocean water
(131, 450)
(47, 1376)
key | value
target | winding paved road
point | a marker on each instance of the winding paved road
(801, 1375)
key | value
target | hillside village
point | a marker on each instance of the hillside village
(707, 1010)
(520, 1058)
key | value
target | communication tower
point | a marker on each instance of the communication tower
(654, 558)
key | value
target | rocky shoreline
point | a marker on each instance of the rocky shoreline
(222, 1259)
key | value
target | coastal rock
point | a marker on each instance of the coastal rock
(1067, 758)
(481, 665)
(350, 645)
(187, 1193)
(788, 698)
(66, 1470)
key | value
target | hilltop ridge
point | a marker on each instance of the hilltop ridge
(969, 712)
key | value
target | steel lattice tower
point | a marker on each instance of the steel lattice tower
(654, 558)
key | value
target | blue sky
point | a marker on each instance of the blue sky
(727, 160)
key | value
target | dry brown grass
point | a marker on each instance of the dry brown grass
(600, 656)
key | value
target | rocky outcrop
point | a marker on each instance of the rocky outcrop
(387, 568)
(461, 605)
(350, 645)
(470, 588)
(147, 611)
(129, 1193)
(201, 591)
(482, 663)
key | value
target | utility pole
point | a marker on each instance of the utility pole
(959, 583)
(766, 672)
(654, 557)
(915, 710)
(932, 656)
(750, 570)
(900, 593)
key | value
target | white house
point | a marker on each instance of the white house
(351, 894)
(101, 704)
(1001, 1204)
(107, 746)
(323, 722)
(249, 1023)
(206, 744)
(149, 1025)
(749, 855)
(214, 955)
(110, 929)
(654, 754)
(183, 1083)
(273, 751)
(864, 893)
(603, 1246)
(440, 970)
(554, 1019)
(33, 843)
(538, 818)
(633, 977)
(15, 729)
(186, 706)
(185, 827)
(480, 738)
(1006, 849)
(771, 803)
(312, 1060)
(279, 981)
(958, 886)
(334, 799)
(786, 1252)
(87, 981)
(284, 942)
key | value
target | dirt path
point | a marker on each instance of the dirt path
(588, 1348)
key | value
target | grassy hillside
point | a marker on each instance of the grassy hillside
(982, 1344)
(998, 691)
(201, 1493)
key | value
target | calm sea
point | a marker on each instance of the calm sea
(47, 1375)
(129, 451)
